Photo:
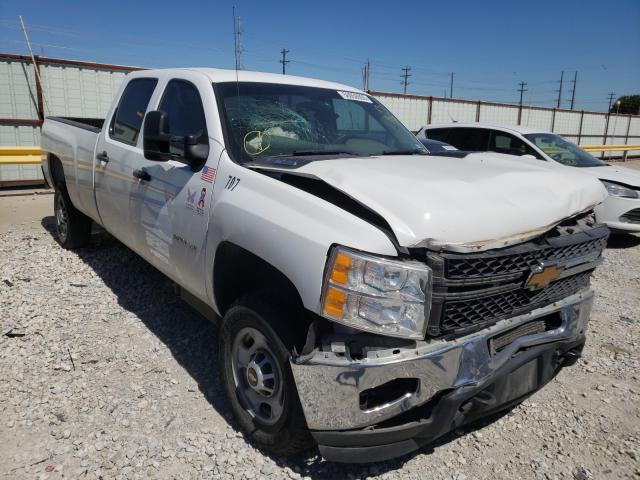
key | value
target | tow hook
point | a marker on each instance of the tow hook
(570, 357)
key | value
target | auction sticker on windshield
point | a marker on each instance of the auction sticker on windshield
(358, 97)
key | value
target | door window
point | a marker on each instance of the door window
(439, 134)
(181, 101)
(127, 119)
(469, 139)
(502, 142)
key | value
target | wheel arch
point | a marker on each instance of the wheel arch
(238, 273)
(56, 170)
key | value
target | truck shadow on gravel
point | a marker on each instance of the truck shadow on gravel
(192, 340)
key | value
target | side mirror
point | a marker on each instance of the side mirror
(160, 146)
(156, 139)
(190, 149)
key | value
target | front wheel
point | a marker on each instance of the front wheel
(73, 226)
(258, 378)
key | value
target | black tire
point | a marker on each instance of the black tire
(288, 435)
(72, 226)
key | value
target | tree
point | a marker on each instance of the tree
(628, 104)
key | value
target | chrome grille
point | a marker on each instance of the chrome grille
(474, 266)
(473, 290)
(475, 312)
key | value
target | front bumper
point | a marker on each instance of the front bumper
(612, 212)
(447, 374)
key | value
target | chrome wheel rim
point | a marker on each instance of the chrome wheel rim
(257, 376)
(62, 219)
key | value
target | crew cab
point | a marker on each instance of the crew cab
(370, 298)
(620, 211)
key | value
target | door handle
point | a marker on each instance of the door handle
(102, 157)
(141, 174)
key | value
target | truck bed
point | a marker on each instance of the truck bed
(91, 124)
(73, 141)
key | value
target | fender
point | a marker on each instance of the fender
(289, 228)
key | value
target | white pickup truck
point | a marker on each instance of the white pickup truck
(372, 298)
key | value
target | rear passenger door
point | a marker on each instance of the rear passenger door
(118, 155)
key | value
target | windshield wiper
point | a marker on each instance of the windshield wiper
(414, 151)
(302, 153)
(305, 153)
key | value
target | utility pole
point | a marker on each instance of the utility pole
(284, 60)
(560, 89)
(237, 42)
(611, 97)
(406, 76)
(573, 90)
(366, 75)
(451, 86)
(522, 90)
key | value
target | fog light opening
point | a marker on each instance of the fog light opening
(388, 393)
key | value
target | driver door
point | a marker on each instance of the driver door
(175, 202)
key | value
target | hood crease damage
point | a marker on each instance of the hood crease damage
(457, 204)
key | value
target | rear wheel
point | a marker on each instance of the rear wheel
(73, 226)
(258, 379)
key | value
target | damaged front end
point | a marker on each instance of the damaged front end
(501, 324)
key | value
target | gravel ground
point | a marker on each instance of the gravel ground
(105, 373)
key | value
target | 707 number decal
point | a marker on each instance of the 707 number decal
(232, 183)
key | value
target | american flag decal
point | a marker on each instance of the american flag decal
(208, 174)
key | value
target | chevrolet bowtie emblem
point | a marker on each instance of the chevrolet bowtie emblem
(543, 275)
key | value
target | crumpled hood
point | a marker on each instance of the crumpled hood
(614, 173)
(477, 202)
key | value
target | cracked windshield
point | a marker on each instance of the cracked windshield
(268, 121)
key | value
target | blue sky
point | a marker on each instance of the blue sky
(490, 45)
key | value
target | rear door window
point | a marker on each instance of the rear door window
(127, 119)
(469, 139)
(440, 134)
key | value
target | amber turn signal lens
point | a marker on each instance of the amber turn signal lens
(340, 271)
(334, 302)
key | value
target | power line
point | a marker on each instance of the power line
(560, 89)
(406, 76)
(284, 60)
(432, 78)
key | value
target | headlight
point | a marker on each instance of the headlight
(390, 297)
(618, 190)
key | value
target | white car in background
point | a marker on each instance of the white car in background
(620, 211)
